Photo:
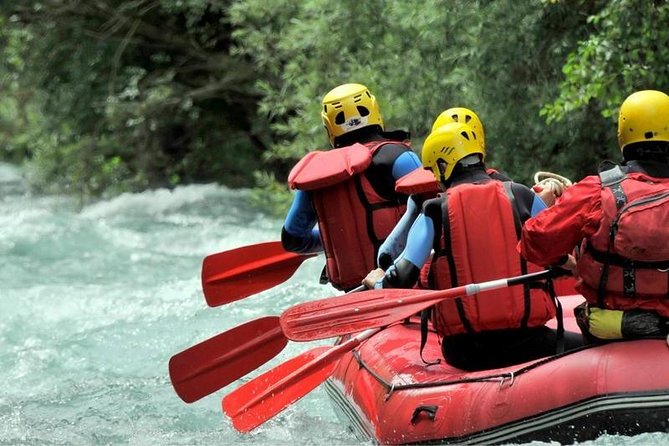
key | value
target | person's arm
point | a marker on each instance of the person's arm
(299, 233)
(551, 235)
(404, 272)
(405, 163)
(395, 243)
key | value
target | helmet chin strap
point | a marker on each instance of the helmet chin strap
(441, 165)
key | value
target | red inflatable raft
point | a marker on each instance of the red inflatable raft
(388, 395)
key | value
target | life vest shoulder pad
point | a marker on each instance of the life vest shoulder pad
(418, 181)
(320, 169)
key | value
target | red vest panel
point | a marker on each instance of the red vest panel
(478, 244)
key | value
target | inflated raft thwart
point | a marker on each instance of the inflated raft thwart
(386, 393)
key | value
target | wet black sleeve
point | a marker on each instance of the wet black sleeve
(524, 198)
(380, 173)
(404, 274)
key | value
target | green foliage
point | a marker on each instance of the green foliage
(521, 51)
(502, 59)
(626, 50)
(112, 95)
(270, 195)
(129, 94)
(307, 48)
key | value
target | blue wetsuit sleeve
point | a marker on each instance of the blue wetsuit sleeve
(405, 163)
(538, 205)
(299, 232)
(419, 241)
(404, 272)
(394, 244)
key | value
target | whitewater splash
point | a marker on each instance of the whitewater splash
(94, 302)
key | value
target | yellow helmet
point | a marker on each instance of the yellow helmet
(349, 107)
(644, 116)
(447, 145)
(464, 116)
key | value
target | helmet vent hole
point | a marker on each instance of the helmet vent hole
(455, 118)
(474, 135)
(325, 108)
(648, 135)
(357, 98)
(339, 119)
(369, 95)
(467, 119)
(364, 111)
(465, 135)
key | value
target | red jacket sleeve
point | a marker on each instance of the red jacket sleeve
(556, 231)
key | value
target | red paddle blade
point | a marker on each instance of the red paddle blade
(232, 275)
(260, 399)
(336, 316)
(213, 364)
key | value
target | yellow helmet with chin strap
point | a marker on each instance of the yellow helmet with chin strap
(349, 107)
(446, 146)
(463, 116)
(644, 116)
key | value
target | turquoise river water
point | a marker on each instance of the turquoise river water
(95, 300)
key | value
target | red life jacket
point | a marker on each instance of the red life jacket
(422, 182)
(352, 217)
(625, 264)
(481, 228)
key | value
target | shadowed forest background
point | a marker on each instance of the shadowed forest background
(100, 97)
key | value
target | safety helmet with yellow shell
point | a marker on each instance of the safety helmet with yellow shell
(644, 116)
(349, 107)
(463, 116)
(446, 146)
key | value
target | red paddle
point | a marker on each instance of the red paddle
(232, 275)
(336, 316)
(213, 364)
(265, 396)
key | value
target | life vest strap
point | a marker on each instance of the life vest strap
(612, 180)
(624, 262)
(447, 249)
(523, 263)
(550, 287)
(424, 317)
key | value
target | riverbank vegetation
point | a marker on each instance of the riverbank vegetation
(100, 97)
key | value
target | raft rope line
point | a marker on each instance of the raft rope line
(500, 377)
(546, 179)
